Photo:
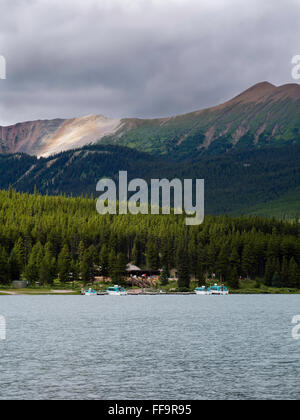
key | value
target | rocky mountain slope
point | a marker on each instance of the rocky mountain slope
(44, 138)
(264, 115)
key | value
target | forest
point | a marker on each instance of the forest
(236, 183)
(44, 238)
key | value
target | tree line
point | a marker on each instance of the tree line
(43, 238)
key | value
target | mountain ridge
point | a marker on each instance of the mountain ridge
(262, 115)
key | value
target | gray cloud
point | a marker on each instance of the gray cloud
(142, 58)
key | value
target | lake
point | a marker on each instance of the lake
(149, 347)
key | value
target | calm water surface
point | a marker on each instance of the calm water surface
(156, 347)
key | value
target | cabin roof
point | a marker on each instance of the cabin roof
(132, 267)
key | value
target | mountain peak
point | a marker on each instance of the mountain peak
(265, 90)
(256, 92)
(291, 90)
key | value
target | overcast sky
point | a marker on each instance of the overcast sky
(139, 58)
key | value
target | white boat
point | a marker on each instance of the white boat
(90, 292)
(219, 290)
(213, 290)
(116, 291)
(203, 291)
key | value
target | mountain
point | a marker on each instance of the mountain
(239, 182)
(262, 116)
(44, 138)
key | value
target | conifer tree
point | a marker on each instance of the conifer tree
(4, 267)
(137, 252)
(47, 270)
(119, 269)
(233, 279)
(87, 266)
(20, 253)
(81, 249)
(63, 264)
(285, 272)
(269, 271)
(248, 261)
(111, 262)
(234, 258)
(15, 267)
(223, 264)
(164, 278)
(276, 280)
(184, 278)
(104, 261)
(33, 267)
(152, 255)
(294, 274)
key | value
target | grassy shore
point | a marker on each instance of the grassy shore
(246, 288)
(36, 291)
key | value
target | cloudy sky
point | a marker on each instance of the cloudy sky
(144, 58)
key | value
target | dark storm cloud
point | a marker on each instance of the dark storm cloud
(141, 58)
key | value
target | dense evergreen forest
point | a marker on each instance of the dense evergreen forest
(237, 183)
(43, 238)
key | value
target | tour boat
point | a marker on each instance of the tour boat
(213, 290)
(218, 290)
(202, 291)
(90, 292)
(116, 291)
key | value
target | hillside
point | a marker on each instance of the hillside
(43, 138)
(287, 206)
(262, 116)
(239, 182)
(44, 238)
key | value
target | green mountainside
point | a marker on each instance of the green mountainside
(247, 150)
(262, 116)
(239, 182)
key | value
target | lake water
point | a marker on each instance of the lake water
(156, 347)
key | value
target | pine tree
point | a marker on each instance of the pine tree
(249, 260)
(165, 253)
(75, 269)
(269, 272)
(14, 266)
(211, 253)
(20, 252)
(294, 274)
(152, 255)
(233, 279)
(276, 280)
(63, 264)
(193, 257)
(285, 272)
(119, 269)
(87, 266)
(47, 270)
(4, 267)
(234, 258)
(184, 278)
(222, 264)
(201, 266)
(104, 261)
(81, 249)
(33, 267)
(164, 278)
(111, 262)
(137, 252)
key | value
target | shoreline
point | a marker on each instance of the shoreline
(36, 292)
